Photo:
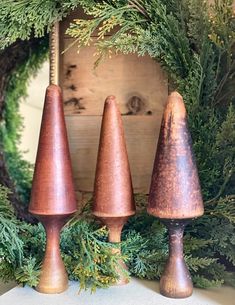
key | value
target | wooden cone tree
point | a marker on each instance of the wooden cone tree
(113, 193)
(175, 195)
(53, 197)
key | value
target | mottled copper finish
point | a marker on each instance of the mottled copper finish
(175, 194)
(52, 196)
(113, 193)
(175, 190)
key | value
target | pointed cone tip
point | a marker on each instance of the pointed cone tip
(53, 89)
(175, 98)
(175, 94)
(111, 100)
(175, 105)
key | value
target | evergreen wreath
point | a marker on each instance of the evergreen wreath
(195, 44)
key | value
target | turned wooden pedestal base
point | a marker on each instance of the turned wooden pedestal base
(115, 225)
(53, 277)
(176, 280)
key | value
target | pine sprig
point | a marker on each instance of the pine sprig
(88, 256)
(11, 246)
(28, 273)
(196, 263)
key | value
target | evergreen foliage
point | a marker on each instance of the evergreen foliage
(11, 246)
(146, 245)
(23, 19)
(90, 261)
(87, 254)
(194, 43)
(12, 123)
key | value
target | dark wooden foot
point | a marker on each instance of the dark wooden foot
(176, 280)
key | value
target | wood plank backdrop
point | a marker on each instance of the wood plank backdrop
(141, 89)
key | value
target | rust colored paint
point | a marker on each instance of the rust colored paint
(52, 196)
(53, 276)
(53, 189)
(175, 190)
(113, 193)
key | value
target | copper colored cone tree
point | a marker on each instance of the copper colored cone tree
(113, 193)
(175, 195)
(53, 197)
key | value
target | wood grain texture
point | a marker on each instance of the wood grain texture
(138, 83)
(141, 133)
(141, 89)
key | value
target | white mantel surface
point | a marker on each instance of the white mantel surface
(137, 292)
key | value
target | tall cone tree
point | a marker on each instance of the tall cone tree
(175, 194)
(113, 193)
(53, 197)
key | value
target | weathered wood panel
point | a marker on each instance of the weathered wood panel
(138, 83)
(141, 89)
(141, 135)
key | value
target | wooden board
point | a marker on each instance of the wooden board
(141, 89)
(138, 83)
(141, 137)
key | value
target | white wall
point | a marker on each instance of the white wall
(31, 111)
